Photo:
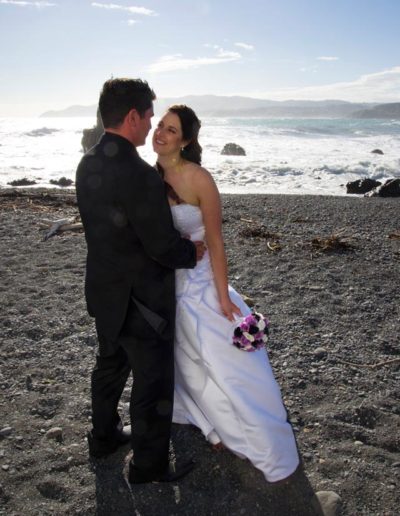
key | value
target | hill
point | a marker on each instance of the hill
(391, 110)
(216, 105)
(71, 111)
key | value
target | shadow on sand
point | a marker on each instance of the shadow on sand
(221, 484)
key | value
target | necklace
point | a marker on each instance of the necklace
(175, 166)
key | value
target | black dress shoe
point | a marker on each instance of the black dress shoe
(99, 448)
(172, 473)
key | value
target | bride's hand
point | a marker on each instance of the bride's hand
(229, 309)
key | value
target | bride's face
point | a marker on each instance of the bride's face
(167, 138)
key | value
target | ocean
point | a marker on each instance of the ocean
(283, 155)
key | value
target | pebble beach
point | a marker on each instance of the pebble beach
(326, 272)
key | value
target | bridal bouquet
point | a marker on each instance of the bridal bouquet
(251, 333)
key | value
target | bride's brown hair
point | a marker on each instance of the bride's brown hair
(190, 132)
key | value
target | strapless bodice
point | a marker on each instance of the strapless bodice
(188, 221)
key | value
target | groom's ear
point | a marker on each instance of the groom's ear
(132, 117)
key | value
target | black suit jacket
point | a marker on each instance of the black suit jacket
(133, 247)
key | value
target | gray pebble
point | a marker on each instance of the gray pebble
(6, 431)
(55, 433)
(320, 353)
(327, 503)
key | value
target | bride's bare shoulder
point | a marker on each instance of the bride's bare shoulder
(199, 173)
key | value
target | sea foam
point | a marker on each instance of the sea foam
(310, 156)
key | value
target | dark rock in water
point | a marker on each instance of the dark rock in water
(361, 186)
(22, 182)
(91, 136)
(233, 149)
(391, 188)
(377, 151)
(63, 181)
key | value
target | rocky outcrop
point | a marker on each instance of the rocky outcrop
(391, 188)
(233, 149)
(361, 186)
(63, 181)
(22, 182)
(377, 151)
(91, 136)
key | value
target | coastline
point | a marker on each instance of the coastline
(301, 156)
(334, 349)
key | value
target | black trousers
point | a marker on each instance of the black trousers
(151, 360)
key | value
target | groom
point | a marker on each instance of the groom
(133, 250)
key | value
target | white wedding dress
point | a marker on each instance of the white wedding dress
(231, 395)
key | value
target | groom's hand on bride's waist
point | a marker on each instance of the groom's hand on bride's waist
(200, 249)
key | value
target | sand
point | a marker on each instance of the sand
(326, 271)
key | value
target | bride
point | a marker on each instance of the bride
(231, 395)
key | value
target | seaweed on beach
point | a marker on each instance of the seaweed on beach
(35, 199)
(301, 220)
(331, 244)
(258, 231)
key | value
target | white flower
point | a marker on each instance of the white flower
(261, 324)
(264, 338)
(248, 336)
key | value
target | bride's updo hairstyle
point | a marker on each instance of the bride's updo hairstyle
(190, 131)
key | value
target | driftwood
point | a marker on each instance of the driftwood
(274, 246)
(59, 226)
(371, 366)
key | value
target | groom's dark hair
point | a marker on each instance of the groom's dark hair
(119, 96)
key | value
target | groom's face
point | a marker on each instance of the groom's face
(144, 126)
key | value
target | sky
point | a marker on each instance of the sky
(58, 53)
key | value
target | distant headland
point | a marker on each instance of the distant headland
(223, 106)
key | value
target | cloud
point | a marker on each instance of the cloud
(381, 86)
(327, 58)
(246, 46)
(222, 52)
(132, 9)
(21, 3)
(307, 69)
(132, 22)
(226, 54)
(175, 62)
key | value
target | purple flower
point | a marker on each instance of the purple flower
(251, 333)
